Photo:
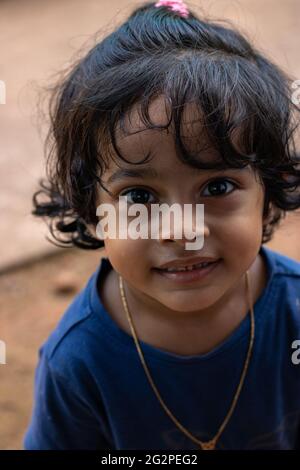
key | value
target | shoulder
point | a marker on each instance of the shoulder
(284, 274)
(283, 265)
(284, 289)
(79, 333)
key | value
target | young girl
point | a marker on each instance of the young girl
(168, 348)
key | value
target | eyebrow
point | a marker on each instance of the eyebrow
(131, 173)
(152, 173)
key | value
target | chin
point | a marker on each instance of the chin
(185, 305)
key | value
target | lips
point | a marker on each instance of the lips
(187, 264)
(186, 275)
(186, 268)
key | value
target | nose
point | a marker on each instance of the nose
(192, 227)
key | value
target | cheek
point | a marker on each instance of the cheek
(243, 219)
(242, 235)
(241, 243)
(130, 258)
(242, 227)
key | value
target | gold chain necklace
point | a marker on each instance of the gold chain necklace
(209, 445)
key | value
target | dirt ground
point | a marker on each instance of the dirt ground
(41, 37)
(32, 300)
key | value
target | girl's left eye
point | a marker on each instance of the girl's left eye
(218, 188)
(138, 196)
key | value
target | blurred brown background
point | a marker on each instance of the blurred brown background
(37, 281)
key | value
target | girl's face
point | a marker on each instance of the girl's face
(233, 217)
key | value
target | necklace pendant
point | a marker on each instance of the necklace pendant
(209, 445)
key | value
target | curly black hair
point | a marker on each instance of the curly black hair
(158, 52)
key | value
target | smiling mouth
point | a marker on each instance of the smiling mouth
(193, 267)
(188, 274)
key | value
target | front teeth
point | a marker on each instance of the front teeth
(187, 268)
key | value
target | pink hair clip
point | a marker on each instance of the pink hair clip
(175, 5)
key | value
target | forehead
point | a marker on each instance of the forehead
(135, 139)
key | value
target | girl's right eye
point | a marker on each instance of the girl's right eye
(138, 196)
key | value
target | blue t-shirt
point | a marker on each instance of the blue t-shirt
(91, 391)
